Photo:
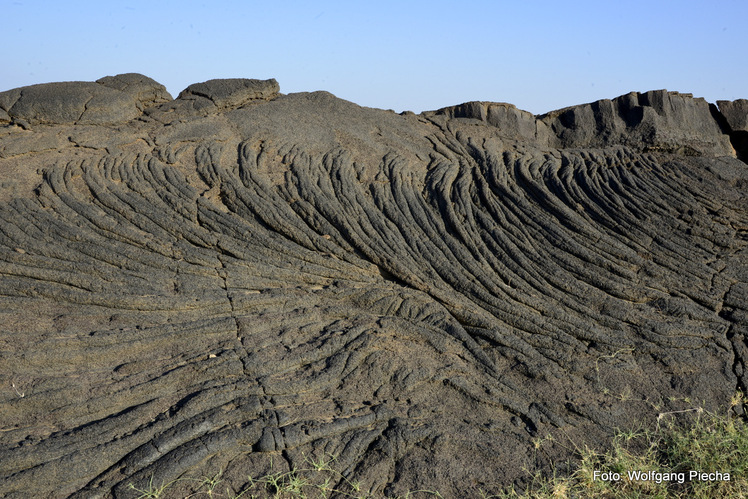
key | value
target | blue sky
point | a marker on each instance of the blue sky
(402, 55)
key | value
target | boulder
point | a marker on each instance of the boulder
(70, 102)
(736, 113)
(232, 92)
(146, 91)
(212, 96)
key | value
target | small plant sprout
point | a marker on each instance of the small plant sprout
(152, 491)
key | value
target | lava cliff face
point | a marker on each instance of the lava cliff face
(241, 281)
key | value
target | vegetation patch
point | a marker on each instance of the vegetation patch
(704, 458)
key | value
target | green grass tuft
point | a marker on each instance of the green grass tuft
(711, 443)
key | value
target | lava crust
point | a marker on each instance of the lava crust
(238, 279)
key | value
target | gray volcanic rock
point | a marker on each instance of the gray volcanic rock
(212, 96)
(146, 91)
(512, 122)
(69, 102)
(655, 120)
(239, 281)
(233, 92)
(736, 113)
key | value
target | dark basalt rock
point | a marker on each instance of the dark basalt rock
(512, 122)
(655, 120)
(146, 91)
(233, 92)
(84, 103)
(735, 115)
(210, 97)
(239, 277)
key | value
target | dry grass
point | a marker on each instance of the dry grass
(710, 443)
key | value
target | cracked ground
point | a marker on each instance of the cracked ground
(422, 297)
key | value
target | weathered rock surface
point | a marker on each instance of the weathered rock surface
(512, 122)
(655, 120)
(84, 103)
(146, 91)
(239, 277)
(212, 96)
(735, 114)
(233, 92)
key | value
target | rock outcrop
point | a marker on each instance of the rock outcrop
(232, 93)
(84, 103)
(213, 96)
(109, 101)
(656, 120)
(735, 115)
(512, 123)
(239, 281)
(146, 91)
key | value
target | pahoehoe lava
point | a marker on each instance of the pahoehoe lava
(238, 277)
